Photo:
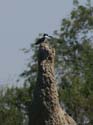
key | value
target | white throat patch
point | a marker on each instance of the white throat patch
(47, 37)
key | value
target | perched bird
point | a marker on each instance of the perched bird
(41, 40)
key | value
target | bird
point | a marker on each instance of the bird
(41, 40)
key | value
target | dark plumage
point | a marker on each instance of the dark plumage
(45, 36)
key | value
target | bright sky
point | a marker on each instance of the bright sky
(20, 23)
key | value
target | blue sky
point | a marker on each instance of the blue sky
(20, 23)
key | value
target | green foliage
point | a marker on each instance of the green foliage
(9, 113)
(75, 58)
(74, 72)
(14, 106)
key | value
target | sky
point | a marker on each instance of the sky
(20, 23)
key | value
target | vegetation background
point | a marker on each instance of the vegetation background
(73, 71)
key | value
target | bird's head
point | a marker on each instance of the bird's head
(47, 36)
(44, 35)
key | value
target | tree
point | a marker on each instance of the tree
(75, 63)
(9, 112)
(74, 69)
